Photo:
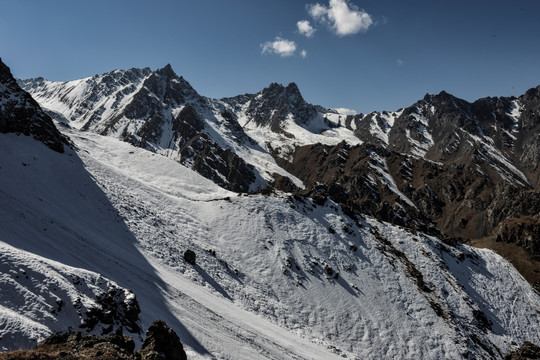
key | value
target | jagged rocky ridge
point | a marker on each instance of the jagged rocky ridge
(471, 168)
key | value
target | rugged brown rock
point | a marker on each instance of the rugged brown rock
(470, 170)
(527, 351)
(161, 343)
(78, 346)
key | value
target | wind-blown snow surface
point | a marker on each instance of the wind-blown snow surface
(265, 283)
(41, 296)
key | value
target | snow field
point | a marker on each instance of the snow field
(270, 246)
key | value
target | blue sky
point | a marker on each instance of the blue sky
(363, 55)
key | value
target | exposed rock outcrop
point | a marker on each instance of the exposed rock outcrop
(272, 105)
(527, 351)
(161, 343)
(20, 113)
(77, 346)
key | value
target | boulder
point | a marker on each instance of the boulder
(190, 257)
(162, 343)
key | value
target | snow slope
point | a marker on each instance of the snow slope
(276, 276)
(40, 297)
(53, 207)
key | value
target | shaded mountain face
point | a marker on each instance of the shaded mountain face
(20, 113)
(271, 107)
(484, 154)
(466, 170)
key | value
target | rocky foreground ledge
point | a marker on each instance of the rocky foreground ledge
(525, 352)
(161, 343)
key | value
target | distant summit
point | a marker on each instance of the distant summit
(271, 106)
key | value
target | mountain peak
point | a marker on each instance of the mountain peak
(443, 95)
(445, 100)
(276, 102)
(167, 71)
(276, 90)
(293, 90)
(293, 87)
(170, 87)
(274, 87)
(5, 73)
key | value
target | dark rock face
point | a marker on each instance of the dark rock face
(206, 157)
(352, 176)
(271, 106)
(527, 147)
(187, 125)
(116, 311)
(522, 231)
(162, 343)
(223, 167)
(20, 113)
(162, 87)
(283, 183)
(161, 90)
(527, 351)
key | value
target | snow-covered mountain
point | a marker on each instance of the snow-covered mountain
(224, 140)
(41, 297)
(442, 161)
(311, 272)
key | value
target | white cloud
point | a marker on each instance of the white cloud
(303, 54)
(317, 10)
(279, 46)
(305, 28)
(344, 18)
(345, 111)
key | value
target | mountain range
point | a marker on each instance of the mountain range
(468, 170)
(318, 234)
